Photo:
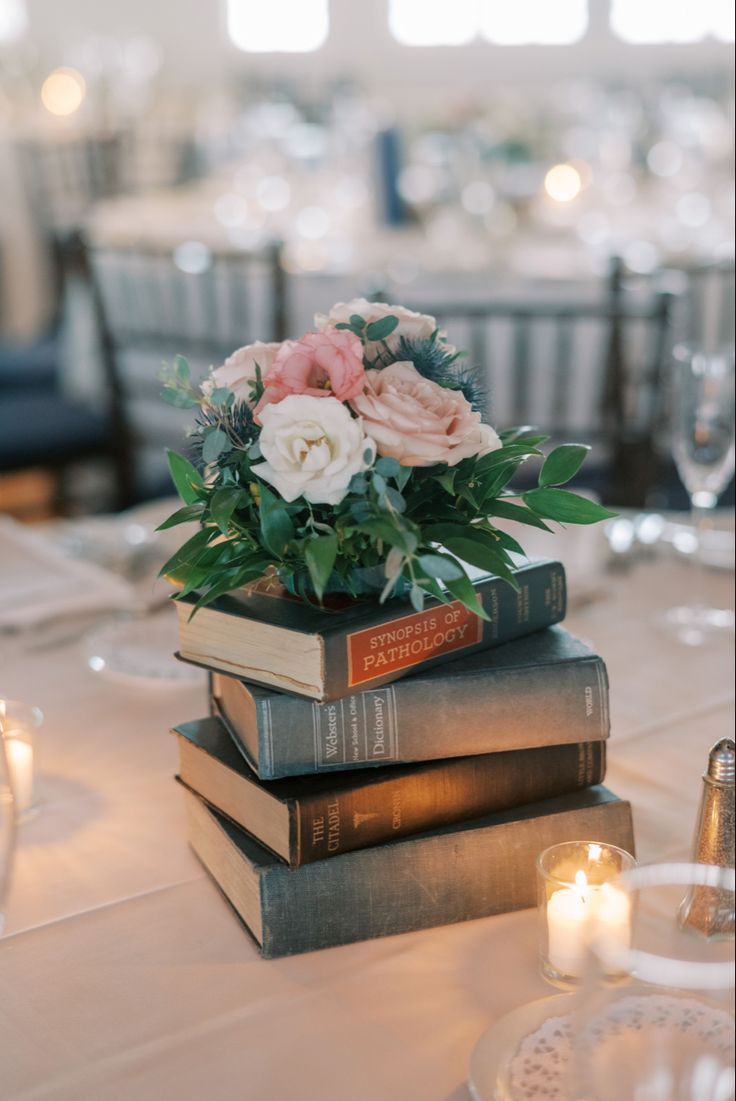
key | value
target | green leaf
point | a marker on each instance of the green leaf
(177, 398)
(176, 567)
(476, 547)
(565, 507)
(277, 530)
(379, 483)
(462, 589)
(223, 505)
(186, 478)
(383, 529)
(562, 464)
(232, 579)
(183, 516)
(403, 476)
(506, 510)
(379, 330)
(357, 321)
(389, 468)
(320, 554)
(215, 442)
(447, 480)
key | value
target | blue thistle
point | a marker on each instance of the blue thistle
(436, 362)
(236, 420)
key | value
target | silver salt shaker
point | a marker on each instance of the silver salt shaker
(709, 911)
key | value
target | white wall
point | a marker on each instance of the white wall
(197, 53)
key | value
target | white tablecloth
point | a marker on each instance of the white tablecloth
(125, 975)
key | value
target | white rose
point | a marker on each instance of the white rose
(239, 369)
(412, 325)
(312, 447)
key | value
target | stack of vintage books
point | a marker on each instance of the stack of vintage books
(368, 769)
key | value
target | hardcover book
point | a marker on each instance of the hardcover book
(325, 653)
(453, 874)
(545, 689)
(313, 817)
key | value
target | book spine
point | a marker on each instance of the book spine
(386, 651)
(426, 881)
(341, 821)
(460, 716)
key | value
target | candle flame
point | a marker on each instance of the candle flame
(581, 880)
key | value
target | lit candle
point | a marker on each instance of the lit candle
(20, 765)
(568, 912)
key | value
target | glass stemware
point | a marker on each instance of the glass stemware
(7, 830)
(703, 450)
(665, 1030)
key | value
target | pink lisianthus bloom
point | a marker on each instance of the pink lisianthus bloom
(320, 365)
(418, 422)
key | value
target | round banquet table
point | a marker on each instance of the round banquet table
(125, 975)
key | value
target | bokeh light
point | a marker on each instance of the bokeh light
(63, 91)
(563, 183)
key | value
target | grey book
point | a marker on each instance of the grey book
(545, 689)
(453, 874)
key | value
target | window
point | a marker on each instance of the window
(277, 26)
(672, 20)
(444, 23)
(536, 22)
(13, 20)
(423, 23)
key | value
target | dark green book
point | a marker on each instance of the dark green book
(309, 818)
(328, 652)
(545, 689)
(453, 874)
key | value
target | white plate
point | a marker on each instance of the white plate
(140, 650)
(495, 1050)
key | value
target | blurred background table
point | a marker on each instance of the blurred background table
(131, 976)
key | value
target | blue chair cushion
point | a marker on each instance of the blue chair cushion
(41, 429)
(26, 365)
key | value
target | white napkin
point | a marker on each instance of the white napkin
(38, 584)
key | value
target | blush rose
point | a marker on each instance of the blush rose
(419, 422)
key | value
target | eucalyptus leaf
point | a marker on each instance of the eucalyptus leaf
(178, 398)
(379, 330)
(182, 369)
(436, 565)
(221, 395)
(215, 443)
(416, 596)
(389, 468)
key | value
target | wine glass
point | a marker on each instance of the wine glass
(703, 450)
(655, 1016)
(7, 828)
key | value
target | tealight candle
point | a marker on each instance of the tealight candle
(20, 767)
(18, 722)
(575, 889)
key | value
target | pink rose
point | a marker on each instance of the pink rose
(418, 422)
(321, 365)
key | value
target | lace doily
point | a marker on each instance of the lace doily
(543, 1064)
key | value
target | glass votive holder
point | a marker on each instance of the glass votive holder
(18, 725)
(574, 888)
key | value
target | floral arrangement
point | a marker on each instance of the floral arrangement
(355, 460)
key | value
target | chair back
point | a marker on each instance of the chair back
(153, 303)
(589, 368)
